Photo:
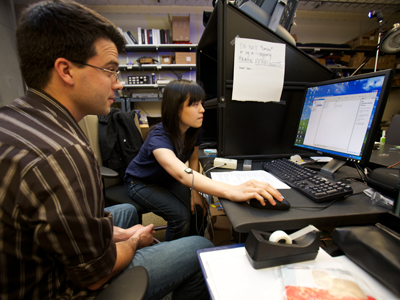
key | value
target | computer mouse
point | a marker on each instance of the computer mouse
(284, 205)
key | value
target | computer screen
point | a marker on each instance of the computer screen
(340, 117)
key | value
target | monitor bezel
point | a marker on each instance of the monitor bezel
(380, 107)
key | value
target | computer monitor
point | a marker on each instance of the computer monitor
(340, 117)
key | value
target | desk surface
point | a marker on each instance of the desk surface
(229, 275)
(385, 155)
(354, 210)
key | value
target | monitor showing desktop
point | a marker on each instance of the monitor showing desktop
(341, 117)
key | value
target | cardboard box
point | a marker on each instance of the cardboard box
(322, 61)
(180, 28)
(146, 60)
(182, 58)
(364, 41)
(345, 58)
(356, 60)
(367, 40)
(384, 62)
(167, 59)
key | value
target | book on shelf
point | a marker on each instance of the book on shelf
(149, 37)
(139, 35)
(128, 37)
(132, 37)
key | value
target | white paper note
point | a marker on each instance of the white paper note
(239, 177)
(259, 70)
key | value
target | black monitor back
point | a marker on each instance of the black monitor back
(249, 129)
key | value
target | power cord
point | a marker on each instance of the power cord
(221, 165)
(190, 171)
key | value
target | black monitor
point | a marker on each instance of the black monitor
(340, 117)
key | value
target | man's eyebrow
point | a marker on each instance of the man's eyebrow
(113, 63)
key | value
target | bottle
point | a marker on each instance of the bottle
(383, 137)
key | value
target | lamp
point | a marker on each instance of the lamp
(379, 16)
(389, 44)
(376, 13)
(391, 41)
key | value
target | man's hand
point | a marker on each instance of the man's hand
(120, 234)
(144, 236)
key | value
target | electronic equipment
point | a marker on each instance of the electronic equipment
(277, 15)
(138, 79)
(340, 117)
(306, 181)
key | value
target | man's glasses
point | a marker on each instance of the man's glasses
(113, 73)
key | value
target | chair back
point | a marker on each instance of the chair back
(153, 120)
(90, 127)
(393, 133)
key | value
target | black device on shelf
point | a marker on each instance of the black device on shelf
(341, 117)
(308, 182)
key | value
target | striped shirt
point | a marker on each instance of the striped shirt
(55, 238)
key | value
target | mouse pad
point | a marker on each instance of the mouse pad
(292, 196)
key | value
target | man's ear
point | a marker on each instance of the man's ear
(65, 70)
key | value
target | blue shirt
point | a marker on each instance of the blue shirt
(145, 166)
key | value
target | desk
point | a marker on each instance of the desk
(355, 210)
(229, 275)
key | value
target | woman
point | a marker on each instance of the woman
(158, 178)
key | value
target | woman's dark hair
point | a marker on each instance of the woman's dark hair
(52, 29)
(175, 95)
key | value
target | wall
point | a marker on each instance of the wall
(11, 85)
(335, 28)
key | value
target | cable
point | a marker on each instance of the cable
(394, 165)
(190, 171)
(224, 164)
(360, 170)
(205, 166)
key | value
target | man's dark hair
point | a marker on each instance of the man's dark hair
(52, 29)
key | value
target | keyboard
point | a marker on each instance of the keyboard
(307, 181)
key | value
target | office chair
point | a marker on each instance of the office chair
(114, 189)
(153, 120)
(132, 285)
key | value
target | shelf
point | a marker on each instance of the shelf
(325, 48)
(143, 86)
(354, 68)
(144, 99)
(161, 47)
(155, 66)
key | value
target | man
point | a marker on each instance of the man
(56, 240)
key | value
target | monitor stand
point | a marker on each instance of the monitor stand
(332, 166)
